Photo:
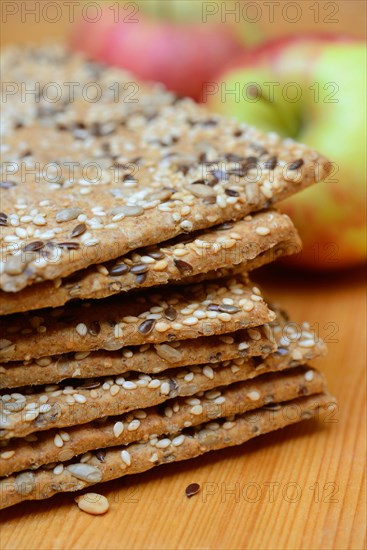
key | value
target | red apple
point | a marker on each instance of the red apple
(181, 55)
(312, 89)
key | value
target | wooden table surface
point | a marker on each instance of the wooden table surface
(318, 466)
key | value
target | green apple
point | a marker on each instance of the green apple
(312, 89)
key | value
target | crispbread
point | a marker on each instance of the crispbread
(184, 312)
(151, 359)
(79, 402)
(172, 416)
(139, 457)
(226, 246)
(191, 170)
(147, 358)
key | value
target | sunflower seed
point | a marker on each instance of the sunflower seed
(68, 214)
(183, 267)
(85, 472)
(25, 483)
(147, 326)
(33, 247)
(119, 269)
(200, 190)
(78, 230)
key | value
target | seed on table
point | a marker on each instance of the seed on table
(92, 503)
(192, 489)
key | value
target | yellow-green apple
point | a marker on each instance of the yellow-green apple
(312, 89)
(165, 41)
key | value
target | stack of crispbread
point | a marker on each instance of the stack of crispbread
(131, 334)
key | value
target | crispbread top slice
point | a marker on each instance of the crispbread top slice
(173, 261)
(88, 182)
(167, 314)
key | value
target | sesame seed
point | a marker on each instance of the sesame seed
(79, 398)
(228, 425)
(161, 265)
(165, 388)
(179, 440)
(226, 339)
(39, 220)
(118, 428)
(190, 321)
(186, 225)
(243, 345)
(58, 469)
(126, 457)
(297, 355)
(129, 385)
(306, 343)
(81, 329)
(163, 443)
(140, 414)
(155, 383)
(65, 436)
(7, 454)
(133, 425)
(220, 400)
(192, 401)
(92, 503)
(196, 410)
(262, 230)
(247, 305)
(58, 441)
(208, 372)
(224, 316)
(254, 334)
(29, 416)
(253, 395)
(162, 327)
(45, 408)
(309, 375)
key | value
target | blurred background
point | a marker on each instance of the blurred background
(351, 18)
(297, 68)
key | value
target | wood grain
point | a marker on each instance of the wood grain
(318, 465)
